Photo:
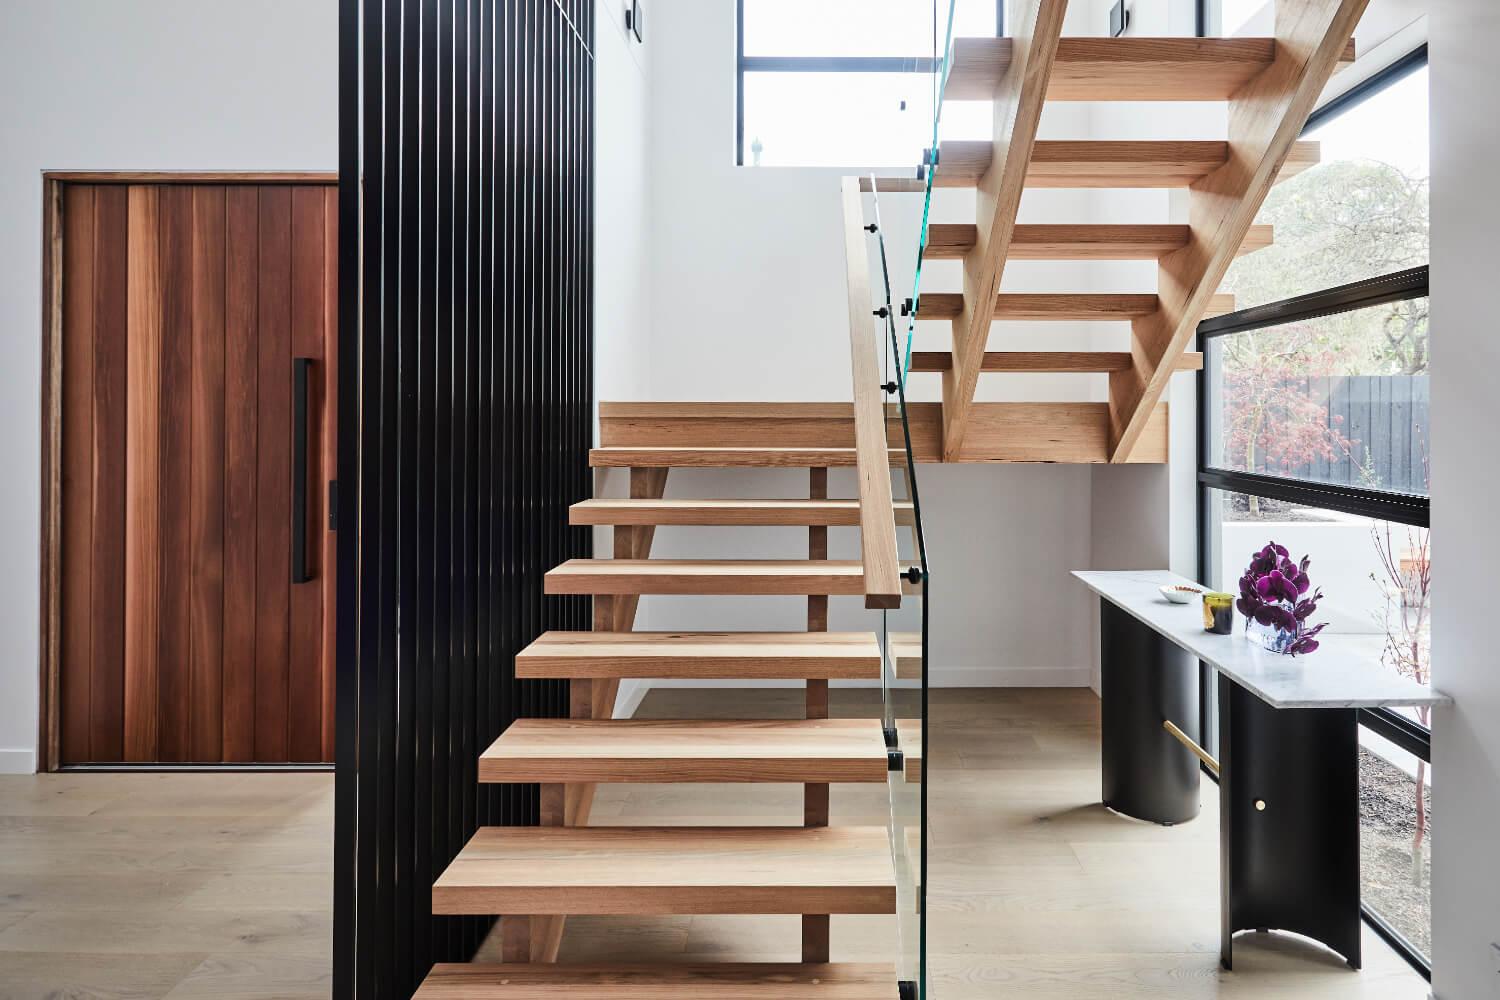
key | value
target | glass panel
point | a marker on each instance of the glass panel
(1238, 17)
(845, 28)
(1339, 399)
(1395, 838)
(830, 119)
(1360, 213)
(1376, 576)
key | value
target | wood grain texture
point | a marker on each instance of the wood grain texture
(241, 440)
(706, 576)
(1067, 307)
(749, 655)
(719, 980)
(328, 462)
(1046, 361)
(143, 514)
(736, 513)
(76, 541)
(1121, 69)
(1079, 423)
(953, 241)
(877, 539)
(669, 870)
(111, 352)
(174, 689)
(1035, 27)
(906, 653)
(570, 751)
(1265, 118)
(206, 496)
(652, 456)
(304, 703)
(273, 477)
(1080, 163)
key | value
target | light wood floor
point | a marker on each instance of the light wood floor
(188, 886)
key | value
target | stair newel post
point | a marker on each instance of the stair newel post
(815, 926)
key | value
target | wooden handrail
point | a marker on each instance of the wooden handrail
(877, 514)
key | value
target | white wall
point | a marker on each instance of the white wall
(149, 84)
(1465, 76)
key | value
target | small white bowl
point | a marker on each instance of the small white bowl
(1179, 593)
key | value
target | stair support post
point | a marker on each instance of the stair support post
(815, 926)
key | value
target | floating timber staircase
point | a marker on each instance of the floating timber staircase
(535, 878)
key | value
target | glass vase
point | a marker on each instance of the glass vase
(1271, 637)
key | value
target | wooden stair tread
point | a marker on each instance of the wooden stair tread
(1076, 307)
(1121, 69)
(909, 739)
(1046, 361)
(905, 650)
(952, 241)
(659, 457)
(833, 513)
(707, 576)
(599, 750)
(716, 655)
(718, 981)
(1061, 163)
(606, 870)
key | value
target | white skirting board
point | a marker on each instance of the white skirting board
(20, 761)
(633, 692)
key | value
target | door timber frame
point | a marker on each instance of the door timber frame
(49, 756)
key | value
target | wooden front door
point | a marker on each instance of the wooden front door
(183, 634)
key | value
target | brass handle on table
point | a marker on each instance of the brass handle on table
(1192, 744)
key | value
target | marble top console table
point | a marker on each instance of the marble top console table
(1287, 762)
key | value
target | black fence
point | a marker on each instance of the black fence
(1376, 431)
(1386, 419)
(466, 371)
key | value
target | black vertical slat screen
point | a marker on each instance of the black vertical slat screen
(466, 408)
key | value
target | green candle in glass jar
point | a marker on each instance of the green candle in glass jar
(1218, 613)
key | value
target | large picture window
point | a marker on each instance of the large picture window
(1313, 432)
(849, 83)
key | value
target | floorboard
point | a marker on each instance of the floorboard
(212, 885)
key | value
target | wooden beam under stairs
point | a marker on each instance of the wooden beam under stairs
(1051, 362)
(702, 655)
(588, 750)
(609, 870)
(1121, 69)
(953, 241)
(1077, 307)
(696, 981)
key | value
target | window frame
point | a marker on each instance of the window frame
(1400, 508)
(818, 64)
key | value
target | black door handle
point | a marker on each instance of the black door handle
(300, 368)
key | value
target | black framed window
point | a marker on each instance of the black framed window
(848, 83)
(1313, 432)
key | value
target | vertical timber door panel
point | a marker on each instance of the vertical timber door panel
(78, 468)
(174, 685)
(241, 368)
(183, 637)
(206, 492)
(142, 473)
(308, 313)
(273, 485)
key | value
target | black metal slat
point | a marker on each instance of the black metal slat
(466, 400)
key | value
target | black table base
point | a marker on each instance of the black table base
(1289, 819)
(1144, 680)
